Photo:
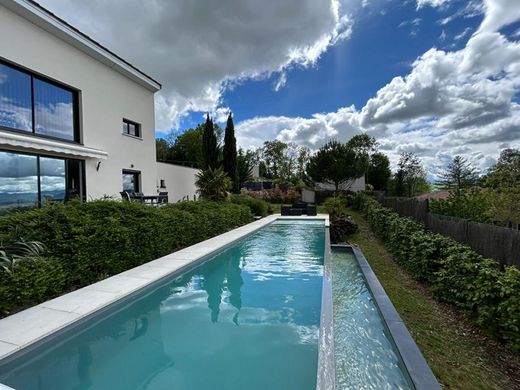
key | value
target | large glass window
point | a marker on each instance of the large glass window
(52, 179)
(15, 99)
(28, 180)
(18, 180)
(131, 181)
(53, 110)
(31, 104)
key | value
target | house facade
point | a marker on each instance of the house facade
(76, 120)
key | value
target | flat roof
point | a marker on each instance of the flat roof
(45, 19)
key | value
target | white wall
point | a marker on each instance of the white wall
(106, 97)
(356, 185)
(179, 181)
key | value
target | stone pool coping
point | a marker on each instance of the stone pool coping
(29, 328)
(418, 369)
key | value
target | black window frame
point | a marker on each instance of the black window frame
(82, 178)
(137, 179)
(75, 106)
(135, 124)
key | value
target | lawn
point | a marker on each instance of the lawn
(458, 353)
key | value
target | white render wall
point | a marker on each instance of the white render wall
(106, 97)
(179, 181)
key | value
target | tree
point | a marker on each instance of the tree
(364, 146)
(506, 172)
(212, 184)
(209, 145)
(302, 159)
(230, 153)
(504, 180)
(459, 174)
(411, 173)
(245, 164)
(274, 158)
(334, 163)
(162, 149)
(379, 171)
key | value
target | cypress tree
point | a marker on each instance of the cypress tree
(230, 153)
(209, 145)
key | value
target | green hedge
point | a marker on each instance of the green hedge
(86, 242)
(258, 207)
(456, 274)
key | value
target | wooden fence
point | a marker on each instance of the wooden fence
(496, 242)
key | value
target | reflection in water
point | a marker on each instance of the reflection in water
(217, 278)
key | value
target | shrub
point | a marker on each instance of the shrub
(335, 205)
(212, 184)
(456, 273)
(86, 242)
(258, 207)
(274, 195)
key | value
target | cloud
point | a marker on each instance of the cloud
(458, 102)
(196, 48)
(499, 13)
(431, 3)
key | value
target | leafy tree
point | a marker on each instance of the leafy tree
(504, 180)
(230, 153)
(187, 147)
(365, 146)
(273, 153)
(459, 174)
(334, 163)
(411, 174)
(506, 172)
(162, 149)
(245, 164)
(379, 171)
(210, 151)
(212, 184)
(302, 159)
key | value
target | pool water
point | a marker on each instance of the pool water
(365, 357)
(247, 319)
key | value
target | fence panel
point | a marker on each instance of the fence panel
(496, 242)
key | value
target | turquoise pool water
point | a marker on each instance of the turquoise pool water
(247, 319)
(365, 357)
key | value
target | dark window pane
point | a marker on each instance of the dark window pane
(18, 180)
(15, 99)
(130, 181)
(52, 179)
(53, 111)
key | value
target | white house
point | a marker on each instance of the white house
(75, 118)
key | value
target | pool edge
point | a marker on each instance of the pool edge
(420, 373)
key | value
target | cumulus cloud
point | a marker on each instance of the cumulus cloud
(195, 48)
(460, 102)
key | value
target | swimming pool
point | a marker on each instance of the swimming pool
(247, 319)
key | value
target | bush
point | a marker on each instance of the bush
(258, 207)
(274, 195)
(456, 273)
(335, 205)
(86, 242)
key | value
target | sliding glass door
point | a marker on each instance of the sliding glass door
(29, 180)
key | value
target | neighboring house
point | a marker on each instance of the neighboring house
(76, 120)
(355, 186)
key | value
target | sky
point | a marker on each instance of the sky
(435, 77)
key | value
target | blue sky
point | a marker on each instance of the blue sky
(435, 77)
(386, 38)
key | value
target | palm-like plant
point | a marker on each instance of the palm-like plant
(19, 251)
(213, 184)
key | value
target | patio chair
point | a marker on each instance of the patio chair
(125, 196)
(163, 198)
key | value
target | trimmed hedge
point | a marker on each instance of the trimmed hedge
(456, 274)
(258, 206)
(89, 241)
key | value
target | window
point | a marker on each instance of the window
(29, 180)
(163, 183)
(53, 110)
(131, 181)
(131, 128)
(32, 104)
